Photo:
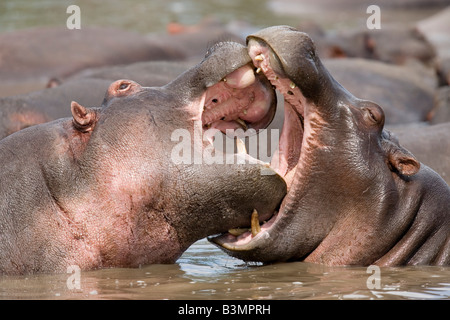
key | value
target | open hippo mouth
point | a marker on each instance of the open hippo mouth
(288, 158)
(241, 100)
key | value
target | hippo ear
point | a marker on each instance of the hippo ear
(84, 119)
(402, 161)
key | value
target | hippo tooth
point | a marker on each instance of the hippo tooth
(224, 79)
(245, 110)
(242, 123)
(256, 228)
(258, 70)
(292, 85)
(259, 57)
(237, 231)
(241, 146)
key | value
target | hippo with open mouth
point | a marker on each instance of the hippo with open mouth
(102, 189)
(355, 196)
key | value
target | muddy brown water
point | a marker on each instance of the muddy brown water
(205, 272)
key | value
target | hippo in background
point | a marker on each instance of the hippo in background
(436, 30)
(87, 87)
(104, 187)
(441, 110)
(32, 58)
(391, 44)
(406, 91)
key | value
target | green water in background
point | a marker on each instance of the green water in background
(142, 16)
(148, 16)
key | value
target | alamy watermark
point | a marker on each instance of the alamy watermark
(374, 280)
(196, 149)
(74, 280)
(374, 20)
(74, 20)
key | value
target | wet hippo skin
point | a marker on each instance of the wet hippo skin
(101, 189)
(355, 195)
(429, 144)
(87, 87)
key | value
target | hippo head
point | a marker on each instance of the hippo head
(345, 174)
(144, 150)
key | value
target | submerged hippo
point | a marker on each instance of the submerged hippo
(101, 189)
(87, 87)
(355, 196)
(25, 110)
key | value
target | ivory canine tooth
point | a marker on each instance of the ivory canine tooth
(256, 228)
(258, 70)
(237, 231)
(242, 123)
(292, 85)
(241, 146)
(259, 57)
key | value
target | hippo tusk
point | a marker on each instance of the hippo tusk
(259, 57)
(241, 123)
(240, 145)
(237, 231)
(256, 228)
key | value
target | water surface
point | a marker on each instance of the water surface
(205, 272)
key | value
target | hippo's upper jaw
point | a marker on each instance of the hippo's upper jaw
(351, 186)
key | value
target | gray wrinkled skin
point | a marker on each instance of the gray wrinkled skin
(100, 189)
(356, 196)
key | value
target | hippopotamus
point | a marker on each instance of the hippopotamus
(355, 195)
(406, 93)
(394, 45)
(430, 144)
(86, 87)
(435, 29)
(32, 57)
(441, 109)
(25, 110)
(105, 188)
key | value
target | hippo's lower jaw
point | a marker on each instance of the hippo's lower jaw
(287, 160)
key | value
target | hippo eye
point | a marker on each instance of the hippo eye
(124, 86)
(372, 116)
